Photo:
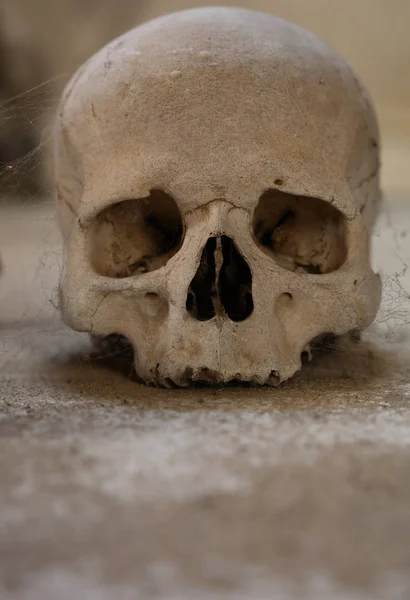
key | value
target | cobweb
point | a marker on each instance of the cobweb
(392, 259)
(26, 121)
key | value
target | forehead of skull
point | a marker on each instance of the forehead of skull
(212, 87)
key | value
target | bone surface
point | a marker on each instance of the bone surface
(217, 184)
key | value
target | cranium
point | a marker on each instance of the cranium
(217, 184)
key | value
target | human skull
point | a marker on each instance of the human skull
(217, 185)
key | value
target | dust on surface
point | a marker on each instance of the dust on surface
(110, 488)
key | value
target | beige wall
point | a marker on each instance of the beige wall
(49, 38)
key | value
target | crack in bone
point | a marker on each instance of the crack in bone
(366, 179)
(98, 307)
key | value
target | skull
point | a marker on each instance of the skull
(217, 184)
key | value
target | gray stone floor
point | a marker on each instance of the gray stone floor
(109, 489)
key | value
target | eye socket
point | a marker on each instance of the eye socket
(136, 236)
(302, 234)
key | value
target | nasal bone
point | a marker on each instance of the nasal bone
(218, 216)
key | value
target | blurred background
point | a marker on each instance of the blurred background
(43, 42)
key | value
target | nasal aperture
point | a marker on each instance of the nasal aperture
(222, 285)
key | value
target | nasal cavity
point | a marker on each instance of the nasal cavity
(222, 285)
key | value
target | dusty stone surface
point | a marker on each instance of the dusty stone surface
(113, 489)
